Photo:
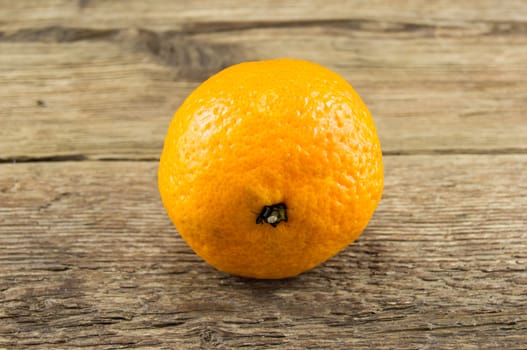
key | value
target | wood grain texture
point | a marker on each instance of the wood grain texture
(110, 93)
(88, 258)
(169, 15)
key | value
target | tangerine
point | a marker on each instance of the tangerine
(271, 167)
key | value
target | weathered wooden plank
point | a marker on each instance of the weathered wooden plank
(111, 93)
(88, 258)
(162, 15)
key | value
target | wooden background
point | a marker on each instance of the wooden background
(89, 259)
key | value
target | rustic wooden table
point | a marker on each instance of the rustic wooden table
(88, 257)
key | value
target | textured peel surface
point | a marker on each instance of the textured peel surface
(267, 132)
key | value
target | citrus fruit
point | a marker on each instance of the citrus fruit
(271, 167)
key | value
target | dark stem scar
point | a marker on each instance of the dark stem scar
(272, 214)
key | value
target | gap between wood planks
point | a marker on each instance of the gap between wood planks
(82, 157)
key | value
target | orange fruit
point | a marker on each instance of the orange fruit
(269, 168)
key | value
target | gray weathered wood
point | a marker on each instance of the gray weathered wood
(163, 15)
(111, 93)
(88, 258)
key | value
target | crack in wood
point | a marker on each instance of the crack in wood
(70, 34)
(54, 200)
(52, 158)
(453, 151)
(391, 153)
(456, 327)
(58, 34)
